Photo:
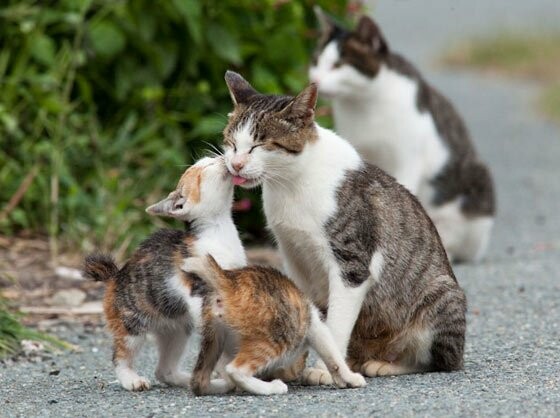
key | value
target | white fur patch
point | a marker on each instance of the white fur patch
(376, 266)
(193, 302)
(243, 136)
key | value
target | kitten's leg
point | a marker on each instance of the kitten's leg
(211, 348)
(321, 340)
(251, 357)
(345, 303)
(171, 344)
(373, 368)
(125, 349)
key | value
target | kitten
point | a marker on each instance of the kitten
(396, 120)
(356, 242)
(258, 320)
(151, 294)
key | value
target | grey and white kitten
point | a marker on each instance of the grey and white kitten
(396, 120)
(358, 243)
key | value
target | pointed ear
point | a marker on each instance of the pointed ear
(239, 88)
(368, 32)
(303, 105)
(326, 23)
(173, 206)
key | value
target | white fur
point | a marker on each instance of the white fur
(376, 266)
(381, 119)
(126, 375)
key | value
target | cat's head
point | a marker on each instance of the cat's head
(265, 132)
(204, 190)
(346, 61)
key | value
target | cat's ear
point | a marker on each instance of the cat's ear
(302, 107)
(174, 206)
(326, 23)
(368, 32)
(239, 88)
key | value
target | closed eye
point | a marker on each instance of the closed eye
(255, 146)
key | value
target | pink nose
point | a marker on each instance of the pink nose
(238, 165)
(238, 162)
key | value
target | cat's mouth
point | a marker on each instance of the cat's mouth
(246, 183)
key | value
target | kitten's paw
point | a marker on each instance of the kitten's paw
(315, 377)
(180, 379)
(136, 384)
(277, 387)
(355, 380)
(219, 387)
(373, 368)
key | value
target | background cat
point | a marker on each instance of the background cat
(352, 238)
(150, 293)
(396, 120)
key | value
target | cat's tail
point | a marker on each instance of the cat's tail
(206, 268)
(100, 267)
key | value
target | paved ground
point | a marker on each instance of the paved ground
(513, 347)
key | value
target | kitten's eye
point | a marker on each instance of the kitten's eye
(254, 146)
(178, 206)
(337, 64)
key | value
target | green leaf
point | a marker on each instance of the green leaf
(191, 11)
(224, 44)
(106, 38)
(43, 49)
(209, 125)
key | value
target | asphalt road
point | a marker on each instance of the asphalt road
(512, 361)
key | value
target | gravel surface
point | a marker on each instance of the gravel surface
(512, 356)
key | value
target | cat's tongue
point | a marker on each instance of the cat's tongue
(238, 180)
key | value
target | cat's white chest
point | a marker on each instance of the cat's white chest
(390, 131)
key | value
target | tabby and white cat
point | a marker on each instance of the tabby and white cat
(352, 238)
(396, 120)
(151, 293)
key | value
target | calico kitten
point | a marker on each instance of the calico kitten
(355, 241)
(257, 320)
(150, 293)
(396, 120)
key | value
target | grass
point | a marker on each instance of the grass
(533, 56)
(12, 332)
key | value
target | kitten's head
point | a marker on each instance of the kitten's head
(204, 190)
(346, 61)
(265, 132)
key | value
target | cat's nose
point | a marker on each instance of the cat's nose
(238, 162)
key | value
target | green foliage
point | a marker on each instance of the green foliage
(12, 332)
(109, 100)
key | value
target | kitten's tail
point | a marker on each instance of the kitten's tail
(100, 267)
(207, 268)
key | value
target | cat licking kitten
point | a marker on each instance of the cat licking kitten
(398, 121)
(355, 241)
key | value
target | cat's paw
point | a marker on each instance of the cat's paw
(180, 379)
(355, 380)
(136, 384)
(373, 368)
(277, 387)
(219, 387)
(314, 377)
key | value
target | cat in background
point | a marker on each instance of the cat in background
(355, 241)
(254, 321)
(151, 293)
(399, 122)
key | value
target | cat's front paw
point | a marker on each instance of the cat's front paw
(136, 384)
(315, 377)
(354, 380)
(177, 378)
(277, 387)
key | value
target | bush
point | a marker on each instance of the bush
(104, 102)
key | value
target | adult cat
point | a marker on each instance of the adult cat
(396, 120)
(352, 238)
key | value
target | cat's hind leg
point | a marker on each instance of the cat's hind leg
(171, 344)
(125, 349)
(252, 357)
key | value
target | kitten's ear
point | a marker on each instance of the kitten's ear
(326, 23)
(239, 88)
(303, 105)
(173, 206)
(368, 32)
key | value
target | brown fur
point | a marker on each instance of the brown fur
(189, 184)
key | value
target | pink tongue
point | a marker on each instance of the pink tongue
(237, 180)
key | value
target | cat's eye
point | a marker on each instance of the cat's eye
(255, 146)
(337, 64)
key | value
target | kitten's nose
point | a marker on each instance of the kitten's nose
(238, 162)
